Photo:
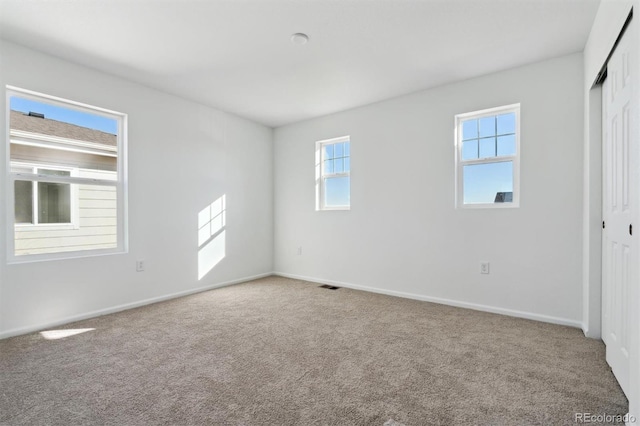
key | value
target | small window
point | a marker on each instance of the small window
(487, 158)
(66, 178)
(333, 174)
(43, 202)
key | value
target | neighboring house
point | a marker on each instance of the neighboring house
(53, 217)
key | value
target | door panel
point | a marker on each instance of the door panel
(620, 207)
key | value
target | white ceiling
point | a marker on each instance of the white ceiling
(236, 54)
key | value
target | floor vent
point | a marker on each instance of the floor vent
(329, 287)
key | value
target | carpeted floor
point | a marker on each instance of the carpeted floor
(283, 352)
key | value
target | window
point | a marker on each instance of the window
(488, 158)
(43, 202)
(333, 174)
(66, 181)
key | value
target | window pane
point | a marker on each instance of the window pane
(347, 164)
(347, 149)
(328, 166)
(506, 123)
(328, 152)
(507, 145)
(48, 172)
(44, 118)
(338, 165)
(24, 201)
(484, 183)
(54, 202)
(338, 150)
(487, 147)
(470, 149)
(337, 192)
(66, 217)
(470, 129)
(487, 126)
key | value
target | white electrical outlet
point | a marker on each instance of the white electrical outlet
(140, 265)
(484, 267)
(299, 251)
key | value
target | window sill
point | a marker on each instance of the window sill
(324, 209)
(47, 227)
(65, 255)
(489, 206)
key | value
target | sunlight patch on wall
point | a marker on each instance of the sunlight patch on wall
(211, 236)
(61, 334)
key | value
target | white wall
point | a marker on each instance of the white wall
(403, 234)
(182, 156)
(605, 30)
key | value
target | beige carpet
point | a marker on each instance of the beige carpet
(285, 352)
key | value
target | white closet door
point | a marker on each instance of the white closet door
(620, 205)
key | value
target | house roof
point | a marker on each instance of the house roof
(49, 127)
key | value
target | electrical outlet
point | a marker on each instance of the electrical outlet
(140, 265)
(484, 267)
(299, 251)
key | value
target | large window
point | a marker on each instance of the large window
(66, 181)
(333, 174)
(488, 158)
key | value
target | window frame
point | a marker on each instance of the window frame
(460, 163)
(321, 176)
(120, 184)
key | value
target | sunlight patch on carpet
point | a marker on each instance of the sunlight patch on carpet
(392, 422)
(61, 334)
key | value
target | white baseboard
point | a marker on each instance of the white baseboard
(589, 333)
(456, 303)
(123, 307)
(450, 302)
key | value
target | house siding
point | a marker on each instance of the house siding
(97, 222)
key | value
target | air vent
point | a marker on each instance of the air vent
(329, 287)
(35, 114)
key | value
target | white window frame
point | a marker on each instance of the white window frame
(321, 176)
(120, 184)
(460, 163)
(74, 205)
